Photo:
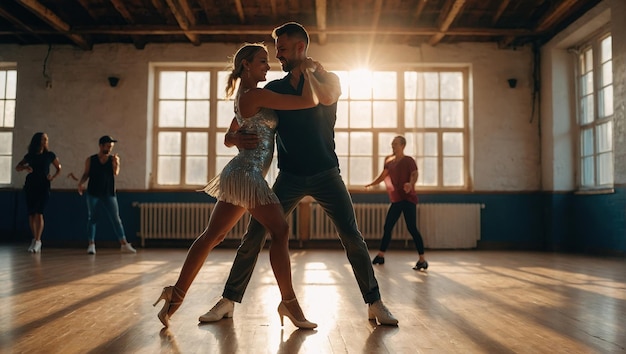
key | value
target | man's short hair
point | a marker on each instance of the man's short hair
(291, 29)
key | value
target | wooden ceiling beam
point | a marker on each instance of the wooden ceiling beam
(267, 30)
(503, 5)
(55, 21)
(240, 14)
(139, 42)
(419, 10)
(555, 15)
(85, 4)
(183, 21)
(274, 9)
(320, 16)
(19, 24)
(455, 10)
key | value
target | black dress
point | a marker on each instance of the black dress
(37, 186)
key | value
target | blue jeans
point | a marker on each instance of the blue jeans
(112, 211)
(328, 189)
(409, 210)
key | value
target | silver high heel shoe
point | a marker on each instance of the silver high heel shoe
(166, 295)
(284, 311)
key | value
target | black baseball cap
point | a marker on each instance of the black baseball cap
(107, 139)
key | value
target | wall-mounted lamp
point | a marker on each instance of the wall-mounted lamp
(113, 81)
(512, 83)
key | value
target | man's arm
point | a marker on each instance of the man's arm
(116, 164)
(326, 85)
(243, 140)
(84, 177)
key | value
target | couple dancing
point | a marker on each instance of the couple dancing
(305, 103)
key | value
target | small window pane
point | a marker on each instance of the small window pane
(452, 85)
(452, 144)
(3, 83)
(172, 85)
(385, 85)
(360, 114)
(169, 170)
(6, 143)
(11, 84)
(410, 85)
(587, 171)
(586, 110)
(220, 162)
(198, 84)
(410, 114)
(430, 85)
(5, 169)
(430, 146)
(605, 168)
(169, 143)
(9, 113)
(587, 83)
(588, 61)
(197, 144)
(427, 171)
(197, 114)
(196, 170)
(606, 49)
(605, 102)
(171, 114)
(431, 114)
(607, 73)
(452, 114)
(605, 137)
(361, 144)
(453, 171)
(384, 144)
(385, 114)
(587, 142)
(360, 170)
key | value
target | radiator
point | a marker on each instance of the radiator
(445, 226)
(180, 221)
(370, 219)
(441, 225)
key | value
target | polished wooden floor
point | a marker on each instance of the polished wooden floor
(65, 301)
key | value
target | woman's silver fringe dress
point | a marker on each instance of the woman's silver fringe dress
(242, 181)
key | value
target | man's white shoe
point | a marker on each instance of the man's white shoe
(91, 249)
(32, 245)
(127, 248)
(223, 309)
(378, 311)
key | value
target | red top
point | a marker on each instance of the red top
(400, 173)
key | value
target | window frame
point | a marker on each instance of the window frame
(377, 153)
(6, 67)
(595, 44)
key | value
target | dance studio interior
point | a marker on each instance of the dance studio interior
(514, 111)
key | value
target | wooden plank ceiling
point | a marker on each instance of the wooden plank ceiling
(84, 23)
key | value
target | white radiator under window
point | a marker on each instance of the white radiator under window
(442, 225)
(180, 221)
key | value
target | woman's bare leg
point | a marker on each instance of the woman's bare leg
(36, 225)
(223, 219)
(272, 217)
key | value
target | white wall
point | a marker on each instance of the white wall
(81, 106)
